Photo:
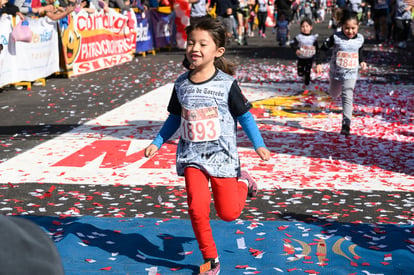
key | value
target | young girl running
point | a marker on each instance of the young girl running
(346, 56)
(206, 104)
(306, 46)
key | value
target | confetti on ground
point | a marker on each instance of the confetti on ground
(324, 202)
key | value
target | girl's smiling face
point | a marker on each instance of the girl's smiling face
(350, 28)
(201, 49)
(305, 28)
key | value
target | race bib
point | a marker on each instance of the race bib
(307, 51)
(200, 124)
(347, 60)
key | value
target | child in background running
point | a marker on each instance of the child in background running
(306, 45)
(205, 105)
(282, 29)
(346, 56)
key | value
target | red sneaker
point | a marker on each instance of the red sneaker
(251, 183)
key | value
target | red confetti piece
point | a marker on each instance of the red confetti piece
(255, 252)
(74, 209)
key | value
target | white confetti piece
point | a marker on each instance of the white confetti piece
(241, 244)
(152, 270)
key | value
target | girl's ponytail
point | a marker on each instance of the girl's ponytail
(226, 66)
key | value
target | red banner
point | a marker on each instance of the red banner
(97, 41)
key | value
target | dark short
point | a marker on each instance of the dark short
(244, 12)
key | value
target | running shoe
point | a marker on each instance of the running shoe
(345, 130)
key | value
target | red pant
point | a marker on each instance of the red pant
(229, 199)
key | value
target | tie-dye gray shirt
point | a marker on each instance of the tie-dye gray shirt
(346, 55)
(208, 113)
(307, 44)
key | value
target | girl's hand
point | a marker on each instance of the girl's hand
(263, 153)
(318, 69)
(150, 150)
(363, 66)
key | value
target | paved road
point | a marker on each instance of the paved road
(315, 177)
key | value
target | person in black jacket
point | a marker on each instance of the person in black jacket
(224, 12)
(284, 7)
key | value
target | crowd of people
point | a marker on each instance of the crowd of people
(391, 19)
(57, 9)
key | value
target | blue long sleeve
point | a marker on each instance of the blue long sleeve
(250, 128)
(170, 126)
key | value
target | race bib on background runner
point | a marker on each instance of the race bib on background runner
(307, 51)
(347, 60)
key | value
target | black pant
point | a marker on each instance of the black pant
(402, 29)
(261, 17)
(304, 68)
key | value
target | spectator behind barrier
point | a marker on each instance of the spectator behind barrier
(56, 13)
(9, 8)
(123, 5)
(27, 249)
(90, 6)
(25, 7)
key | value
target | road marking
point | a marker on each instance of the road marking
(306, 153)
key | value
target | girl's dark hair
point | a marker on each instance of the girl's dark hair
(347, 15)
(218, 34)
(307, 20)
